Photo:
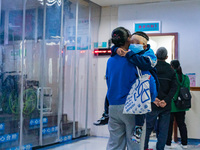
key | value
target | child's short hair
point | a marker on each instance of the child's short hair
(120, 36)
(143, 35)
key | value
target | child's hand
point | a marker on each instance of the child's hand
(121, 52)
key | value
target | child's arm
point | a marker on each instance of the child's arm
(116, 50)
(143, 62)
(152, 57)
(113, 50)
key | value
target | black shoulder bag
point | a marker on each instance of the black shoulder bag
(184, 97)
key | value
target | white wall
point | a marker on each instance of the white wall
(192, 117)
(101, 93)
(182, 17)
(109, 21)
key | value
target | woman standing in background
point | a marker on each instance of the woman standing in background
(179, 114)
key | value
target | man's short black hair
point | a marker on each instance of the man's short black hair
(140, 33)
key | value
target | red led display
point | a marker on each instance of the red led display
(105, 51)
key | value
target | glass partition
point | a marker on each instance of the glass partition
(11, 75)
(51, 71)
(46, 70)
(82, 62)
(70, 125)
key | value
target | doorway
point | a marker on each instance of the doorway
(167, 40)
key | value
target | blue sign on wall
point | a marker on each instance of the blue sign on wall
(34, 122)
(49, 130)
(2, 126)
(24, 147)
(8, 137)
(66, 138)
(148, 27)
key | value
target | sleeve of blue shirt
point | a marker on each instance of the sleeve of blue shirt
(153, 90)
(141, 61)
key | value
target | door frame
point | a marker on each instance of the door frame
(175, 34)
(176, 57)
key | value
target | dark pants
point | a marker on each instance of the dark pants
(106, 106)
(139, 119)
(163, 119)
(180, 120)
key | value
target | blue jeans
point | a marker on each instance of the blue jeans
(163, 119)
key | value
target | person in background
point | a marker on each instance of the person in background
(120, 76)
(161, 107)
(179, 114)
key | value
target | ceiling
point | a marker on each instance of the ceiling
(122, 2)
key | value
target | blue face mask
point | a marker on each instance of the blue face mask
(136, 48)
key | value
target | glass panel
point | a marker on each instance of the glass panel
(11, 72)
(82, 66)
(51, 72)
(93, 72)
(32, 82)
(79, 65)
(69, 64)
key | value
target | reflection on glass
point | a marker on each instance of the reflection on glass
(51, 2)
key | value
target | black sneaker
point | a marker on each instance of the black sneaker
(137, 134)
(102, 121)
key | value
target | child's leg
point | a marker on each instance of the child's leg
(139, 122)
(104, 119)
(106, 106)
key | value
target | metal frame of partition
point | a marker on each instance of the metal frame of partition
(61, 70)
(75, 78)
(88, 72)
(42, 72)
(22, 81)
(0, 11)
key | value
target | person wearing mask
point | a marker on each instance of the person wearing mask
(178, 114)
(161, 107)
(142, 56)
(120, 75)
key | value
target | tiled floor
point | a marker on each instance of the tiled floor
(99, 143)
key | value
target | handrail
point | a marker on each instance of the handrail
(194, 88)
